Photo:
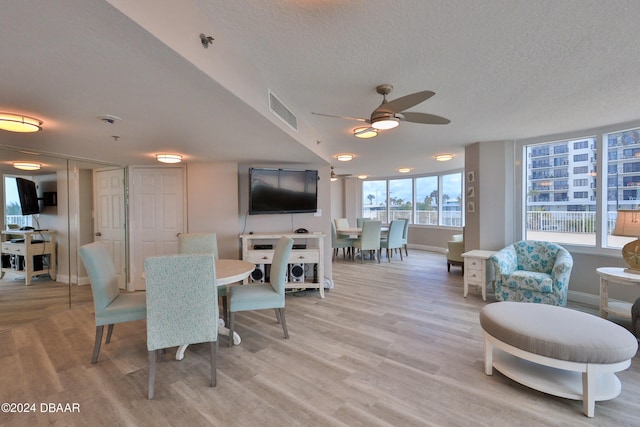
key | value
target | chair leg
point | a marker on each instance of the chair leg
(401, 259)
(283, 321)
(379, 251)
(152, 373)
(231, 321)
(406, 251)
(213, 351)
(96, 345)
(109, 332)
(225, 309)
(278, 316)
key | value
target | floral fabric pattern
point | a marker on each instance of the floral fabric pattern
(532, 271)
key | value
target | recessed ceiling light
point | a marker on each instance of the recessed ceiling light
(404, 170)
(443, 157)
(345, 157)
(19, 123)
(169, 158)
(363, 176)
(365, 132)
(27, 166)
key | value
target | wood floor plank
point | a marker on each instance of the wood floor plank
(393, 344)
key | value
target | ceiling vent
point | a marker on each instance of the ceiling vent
(282, 112)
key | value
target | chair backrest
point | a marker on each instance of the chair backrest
(394, 238)
(405, 231)
(341, 223)
(182, 300)
(360, 221)
(534, 255)
(370, 238)
(198, 243)
(279, 264)
(102, 274)
(334, 235)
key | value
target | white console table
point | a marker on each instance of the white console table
(312, 254)
(45, 245)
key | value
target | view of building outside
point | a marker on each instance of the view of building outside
(437, 200)
(562, 182)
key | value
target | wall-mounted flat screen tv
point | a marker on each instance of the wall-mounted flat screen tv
(276, 191)
(28, 196)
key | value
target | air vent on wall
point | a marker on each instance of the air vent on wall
(282, 112)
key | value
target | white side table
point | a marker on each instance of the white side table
(477, 271)
(620, 276)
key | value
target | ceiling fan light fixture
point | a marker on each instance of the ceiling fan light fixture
(404, 170)
(27, 166)
(169, 158)
(345, 157)
(384, 123)
(443, 157)
(365, 132)
(19, 123)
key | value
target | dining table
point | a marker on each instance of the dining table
(228, 271)
(357, 231)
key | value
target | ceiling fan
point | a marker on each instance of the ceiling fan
(334, 176)
(390, 113)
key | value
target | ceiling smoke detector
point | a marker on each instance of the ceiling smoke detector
(109, 119)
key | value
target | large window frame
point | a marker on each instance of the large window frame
(428, 205)
(602, 158)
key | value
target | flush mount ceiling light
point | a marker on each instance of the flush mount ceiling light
(345, 157)
(26, 166)
(169, 158)
(404, 170)
(443, 157)
(365, 132)
(363, 176)
(19, 123)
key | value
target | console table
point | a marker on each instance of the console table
(35, 243)
(313, 253)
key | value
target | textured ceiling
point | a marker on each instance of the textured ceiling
(501, 70)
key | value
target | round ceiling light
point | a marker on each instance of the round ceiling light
(383, 123)
(443, 157)
(365, 132)
(19, 123)
(345, 157)
(363, 176)
(404, 170)
(27, 166)
(169, 158)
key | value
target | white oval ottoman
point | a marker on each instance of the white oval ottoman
(575, 354)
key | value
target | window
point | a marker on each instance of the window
(12, 211)
(564, 209)
(427, 200)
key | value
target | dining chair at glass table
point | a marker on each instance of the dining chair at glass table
(341, 223)
(264, 296)
(182, 306)
(346, 243)
(369, 240)
(110, 305)
(405, 236)
(393, 240)
(204, 243)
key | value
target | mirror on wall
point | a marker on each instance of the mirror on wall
(50, 209)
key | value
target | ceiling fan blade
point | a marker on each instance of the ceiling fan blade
(404, 102)
(428, 119)
(360, 119)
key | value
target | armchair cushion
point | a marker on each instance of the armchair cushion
(532, 271)
(455, 248)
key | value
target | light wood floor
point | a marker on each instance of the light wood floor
(391, 344)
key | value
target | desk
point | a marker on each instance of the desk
(36, 246)
(477, 271)
(228, 271)
(615, 275)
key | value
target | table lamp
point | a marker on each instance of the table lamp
(628, 225)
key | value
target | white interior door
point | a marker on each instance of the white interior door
(158, 211)
(109, 224)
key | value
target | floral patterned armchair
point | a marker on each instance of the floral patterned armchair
(532, 271)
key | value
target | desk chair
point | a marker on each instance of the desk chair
(263, 296)
(182, 306)
(111, 306)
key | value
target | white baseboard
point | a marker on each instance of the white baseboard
(426, 248)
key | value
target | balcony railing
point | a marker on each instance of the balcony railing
(566, 222)
(22, 221)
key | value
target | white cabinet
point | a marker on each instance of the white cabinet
(307, 255)
(35, 254)
(477, 270)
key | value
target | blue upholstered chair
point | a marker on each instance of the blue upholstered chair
(111, 306)
(393, 239)
(360, 221)
(182, 306)
(532, 271)
(204, 243)
(264, 296)
(369, 240)
(345, 243)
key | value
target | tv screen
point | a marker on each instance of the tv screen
(28, 196)
(274, 191)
